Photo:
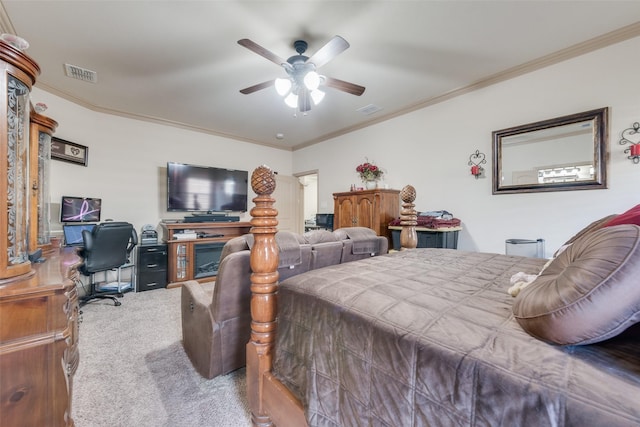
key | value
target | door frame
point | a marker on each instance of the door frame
(300, 175)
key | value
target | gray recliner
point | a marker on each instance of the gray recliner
(360, 243)
(216, 318)
(326, 248)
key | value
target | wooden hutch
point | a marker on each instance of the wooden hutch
(373, 209)
(40, 134)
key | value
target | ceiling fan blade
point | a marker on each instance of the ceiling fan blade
(257, 87)
(254, 47)
(333, 48)
(351, 88)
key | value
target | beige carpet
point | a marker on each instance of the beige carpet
(134, 372)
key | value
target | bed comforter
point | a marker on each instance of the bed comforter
(427, 337)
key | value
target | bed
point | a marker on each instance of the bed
(430, 337)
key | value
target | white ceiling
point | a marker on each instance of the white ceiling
(178, 62)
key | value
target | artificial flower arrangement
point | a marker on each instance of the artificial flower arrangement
(369, 171)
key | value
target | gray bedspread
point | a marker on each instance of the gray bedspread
(426, 337)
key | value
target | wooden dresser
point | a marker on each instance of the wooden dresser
(373, 209)
(39, 343)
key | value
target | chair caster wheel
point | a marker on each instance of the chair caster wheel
(117, 303)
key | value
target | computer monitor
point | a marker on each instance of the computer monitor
(73, 233)
(325, 221)
(80, 209)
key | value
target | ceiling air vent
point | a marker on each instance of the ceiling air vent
(80, 73)
(369, 109)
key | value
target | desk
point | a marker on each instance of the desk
(429, 237)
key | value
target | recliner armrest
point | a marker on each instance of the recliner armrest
(325, 254)
(232, 292)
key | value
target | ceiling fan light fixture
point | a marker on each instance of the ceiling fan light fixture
(283, 86)
(312, 80)
(291, 100)
(317, 96)
(300, 89)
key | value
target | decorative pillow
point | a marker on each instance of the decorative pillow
(589, 293)
(632, 216)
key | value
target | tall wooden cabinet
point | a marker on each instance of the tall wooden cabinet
(373, 209)
(42, 129)
(17, 75)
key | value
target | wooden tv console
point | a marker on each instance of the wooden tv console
(182, 251)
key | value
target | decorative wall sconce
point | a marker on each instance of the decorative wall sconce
(631, 136)
(475, 161)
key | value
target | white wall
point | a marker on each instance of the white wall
(430, 148)
(127, 161)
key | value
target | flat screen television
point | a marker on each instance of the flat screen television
(80, 209)
(206, 188)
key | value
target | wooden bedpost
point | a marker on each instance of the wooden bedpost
(408, 219)
(264, 279)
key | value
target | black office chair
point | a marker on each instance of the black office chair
(106, 248)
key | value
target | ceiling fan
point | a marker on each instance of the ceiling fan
(301, 86)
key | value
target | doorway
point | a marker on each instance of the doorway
(309, 182)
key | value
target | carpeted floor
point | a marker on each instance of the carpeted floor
(134, 372)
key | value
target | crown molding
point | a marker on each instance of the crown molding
(605, 40)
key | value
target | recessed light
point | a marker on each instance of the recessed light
(279, 135)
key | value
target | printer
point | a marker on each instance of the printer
(149, 235)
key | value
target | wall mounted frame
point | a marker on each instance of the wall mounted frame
(69, 151)
(559, 154)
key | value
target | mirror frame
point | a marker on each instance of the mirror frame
(600, 153)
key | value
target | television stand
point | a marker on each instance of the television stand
(182, 252)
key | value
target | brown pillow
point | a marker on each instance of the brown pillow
(589, 293)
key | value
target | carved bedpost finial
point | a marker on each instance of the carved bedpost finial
(263, 181)
(264, 280)
(408, 219)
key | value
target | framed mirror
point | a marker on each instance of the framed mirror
(564, 153)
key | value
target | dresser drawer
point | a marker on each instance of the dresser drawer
(153, 263)
(151, 280)
(152, 258)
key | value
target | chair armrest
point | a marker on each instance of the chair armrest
(87, 240)
(196, 293)
(133, 241)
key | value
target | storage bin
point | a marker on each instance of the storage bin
(429, 239)
(525, 247)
